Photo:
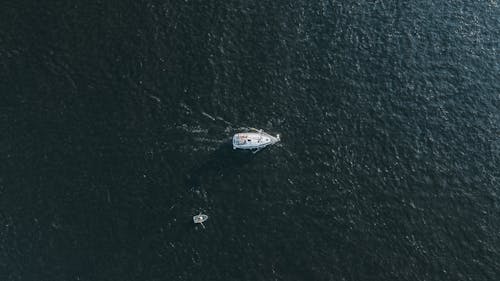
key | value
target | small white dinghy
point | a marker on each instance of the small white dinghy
(255, 141)
(200, 219)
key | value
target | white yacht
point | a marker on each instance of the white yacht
(255, 141)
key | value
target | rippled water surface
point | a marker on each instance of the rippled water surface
(116, 121)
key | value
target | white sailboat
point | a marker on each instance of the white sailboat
(255, 141)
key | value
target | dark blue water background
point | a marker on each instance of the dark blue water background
(116, 118)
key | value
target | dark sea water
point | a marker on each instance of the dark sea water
(116, 119)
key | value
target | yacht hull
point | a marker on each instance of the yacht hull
(253, 140)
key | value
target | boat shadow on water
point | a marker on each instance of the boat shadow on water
(223, 161)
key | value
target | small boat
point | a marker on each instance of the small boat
(201, 218)
(255, 141)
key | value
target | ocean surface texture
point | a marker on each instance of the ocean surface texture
(116, 119)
